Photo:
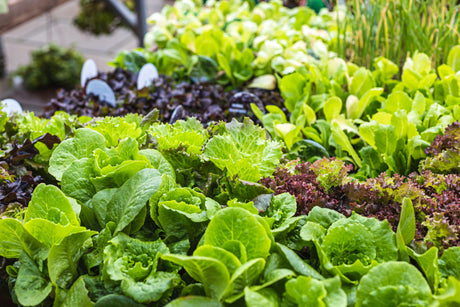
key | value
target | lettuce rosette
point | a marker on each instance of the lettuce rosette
(349, 247)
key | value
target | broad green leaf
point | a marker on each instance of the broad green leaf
(289, 133)
(316, 294)
(398, 101)
(309, 114)
(193, 301)
(49, 233)
(383, 118)
(81, 146)
(282, 207)
(395, 283)
(385, 139)
(445, 71)
(367, 132)
(48, 202)
(344, 245)
(236, 224)
(291, 87)
(276, 110)
(428, 263)
(399, 121)
(115, 129)
(226, 257)
(257, 112)
(116, 300)
(181, 220)
(260, 298)
(63, 258)
(210, 272)
(356, 109)
(167, 184)
(410, 79)
(100, 203)
(332, 108)
(406, 225)
(14, 239)
(118, 175)
(76, 179)
(32, 287)
(453, 59)
(158, 162)
(132, 197)
(361, 82)
(323, 216)
(78, 295)
(296, 263)
(243, 277)
(342, 140)
(383, 233)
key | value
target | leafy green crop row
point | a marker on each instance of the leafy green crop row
(152, 214)
(368, 118)
(229, 42)
(334, 108)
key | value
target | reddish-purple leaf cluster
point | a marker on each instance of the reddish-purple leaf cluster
(450, 140)
(205, 101)
(436, 198)
(18, 175)
(443, 156)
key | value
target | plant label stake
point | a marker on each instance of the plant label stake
(11, 106)
(102, 90)
(88, 72)
(146, 76)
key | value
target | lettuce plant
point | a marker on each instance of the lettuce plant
(243, 150)
(320, 292)
(349, 247)
(232, 256)
(394, 283)
(136, 265)
(183, 213)
(49, 242)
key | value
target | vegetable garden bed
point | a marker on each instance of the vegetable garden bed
(348, 195)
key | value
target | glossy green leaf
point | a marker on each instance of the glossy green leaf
(236, 224)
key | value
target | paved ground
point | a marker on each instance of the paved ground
(56, 26)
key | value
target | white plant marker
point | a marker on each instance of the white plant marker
(147, 74)
(102, 90)
(88, 71)
(11, 106)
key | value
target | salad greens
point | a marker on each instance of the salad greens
(125, 227)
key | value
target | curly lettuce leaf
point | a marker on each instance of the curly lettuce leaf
(183, 213)
(134, 263)
(244, 151)
(115, 129)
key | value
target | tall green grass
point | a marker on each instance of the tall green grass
(396, 29)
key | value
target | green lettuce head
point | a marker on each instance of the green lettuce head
(135, 266)
(349, 247)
